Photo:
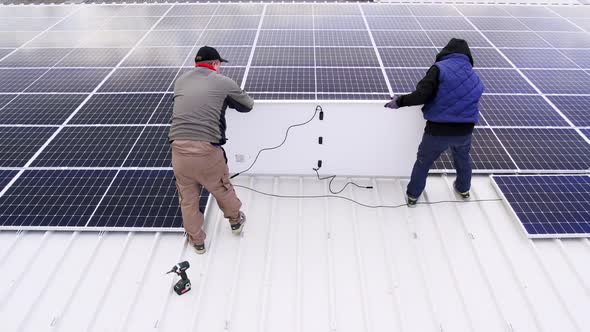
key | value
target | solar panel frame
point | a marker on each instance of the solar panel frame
(40, 109)
(498, 24)
(529, 11)
(19, 144)
(487, 11)
(441, 38)
(547, 206)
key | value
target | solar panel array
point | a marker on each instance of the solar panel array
(85, 91)
(549, 206)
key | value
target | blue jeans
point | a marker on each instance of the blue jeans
(429, 150)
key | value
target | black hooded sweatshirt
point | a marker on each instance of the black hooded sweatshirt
(428, 87)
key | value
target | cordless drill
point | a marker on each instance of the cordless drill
(184, 284)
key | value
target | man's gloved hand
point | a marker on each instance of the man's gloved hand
(393, 103)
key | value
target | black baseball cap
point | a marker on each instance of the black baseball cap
(207, 53)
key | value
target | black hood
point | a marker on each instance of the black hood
(456, 46)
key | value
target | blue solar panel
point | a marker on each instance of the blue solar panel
(488, 58)
(140, 80)
(404, 80)
(579, 57)
(367, 80)
(5, 177)
(504, 81)
(546, 149)
(560, 81)
(538, 58)
(567, 39)
(152, 149)
(19, 144)
(53, 198)
(40, 109)
(549, 206)
(575, 108)
(69, 80)
(586, 132)
(408, 57)
(118, 109)
(507, 110)
(17, 80)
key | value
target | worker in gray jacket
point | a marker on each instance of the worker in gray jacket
(197, 133)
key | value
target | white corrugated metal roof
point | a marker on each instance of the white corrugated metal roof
(307, 265)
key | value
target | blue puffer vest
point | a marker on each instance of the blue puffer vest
(458, 93)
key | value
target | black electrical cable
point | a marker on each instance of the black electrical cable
(332, 177)
(359, 203)
(317, 109)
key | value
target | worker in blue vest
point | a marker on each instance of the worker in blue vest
(450, 93)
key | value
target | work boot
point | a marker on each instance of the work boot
(237, 227)
(412, 202)
(464, 195)
(200, 248)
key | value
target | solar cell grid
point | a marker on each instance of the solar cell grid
(19, 144)
(130, 23)
(193, 10)
(145, 10)
(386, 10)
(488, 58)
(93, 57)
(444, 23)
(163, 113)
(482, 11)
(353, 96)
(140, 80)
(433, 10)
(546, 149)
(507, 110)
(339, 22)
(100, 10)
(560, 81)
(44, 109)
(141, 199)
(152, 149)
(441, 38)
(487, 153)
(289, 9)
(183, 23)
(80, 22)
(529, 11)
(504, 81)
(583, 23)
(5, 99)
(69, 80)
(234, 22)
(538, 58)
(393, 23)
(408, 57)
(5, 177)
(515, 39)
(350, 80)
(236, 56)
(235, 73)
(228, 37)
(119, 39)
(283, 56)
(567, 39)
(32, 11)
(118, 109)
(17, 80)
(576, 11)
(580, 57)
(158, 57)
(11, 39)
(345, 57)
(286, 38)
(340, 9)
(35, 57)
(27, 24)
(498, 23)
(281, 80)
(402, 38)
(404, 80)
(59, 39)
(575, 108)
(54, 198)
(89, 147)
(171, 38)
(549, 206)
(243, 9)
(342, 38)
(287, 22)
(548, 24)
(586, 132)
(282, 96)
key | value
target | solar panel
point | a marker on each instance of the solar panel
(515, 39)
(445, 23)
(560, 81)
(11, 39)
(529, 11)
(59, 39)
(163, 114)
(322, 9)
(567, 39)
(487, 154)
(289, 9)
(283, 96)
(93, 57)
(402, 38)
(488, 58)
(393, 23)
(386, 10)
(80, 22)
(5, 99)
(350, 80)
(575, 11)
(40, 109)
(579, 57)
(53, 198)
(548, 24)
(32, 11)
(228, 37)
(408, 57)
(145, 200)
(586, 132)
(118, 39)
(353, 96)
(118, 109)
(292, 80)
(404, 80)
(19, 144)
(441, 38)
(345, 57)
(146, 10)
(339, 22)
(234, 22)
(434, 10)
(235, 73)
(246, 9)
(89, 147)
(27, 24)
(546, 149)
(507, 110)
(482, 11)
(575, 108)
(158, 57)
(171, 38)
(287, 22)
(285, 38)
(583, 23)
(538, 58)
(283, 56)
(35, 57)
(140, 80)
(69, 80)
(554, 206)
(183, 23)
(129, 23)
(17, 80)
(498, 23)
(152, 149)
(5, 177)
(342, 38)
(504, 81)
(193, 10)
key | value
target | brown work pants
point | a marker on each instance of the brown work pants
(197, 164)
